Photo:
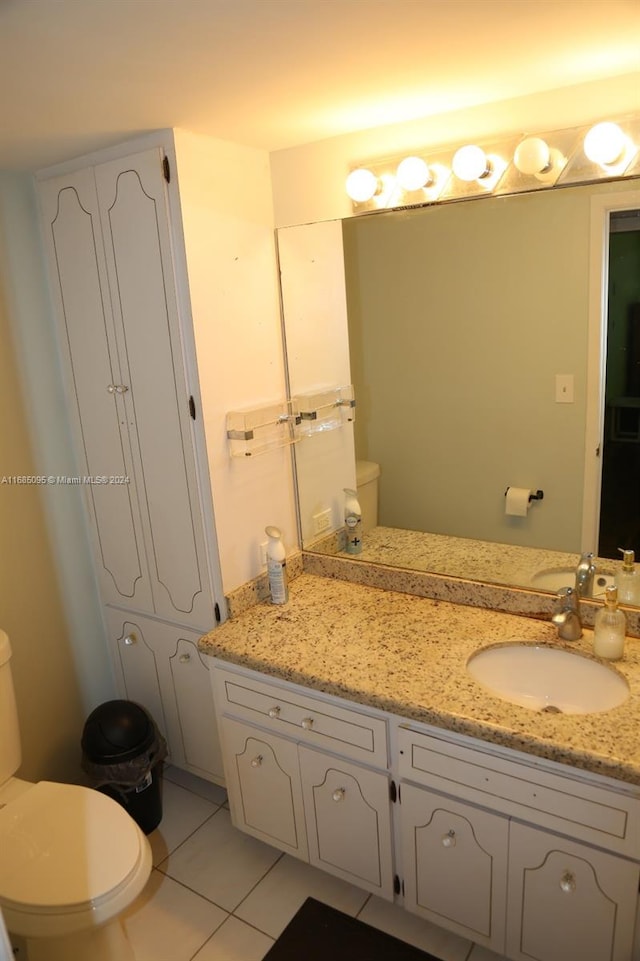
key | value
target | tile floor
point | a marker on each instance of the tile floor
(216, 894)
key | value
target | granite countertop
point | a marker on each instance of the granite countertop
(407, 655)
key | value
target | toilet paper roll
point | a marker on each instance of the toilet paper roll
(517, 501)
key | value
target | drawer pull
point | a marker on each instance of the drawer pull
(338, 794)
(307, 723)
(449, 840)
(256, 761)
(184, 658)
(130, 639)
(274, 711)
(568, 882)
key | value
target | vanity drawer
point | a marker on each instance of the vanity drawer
(527, 791)
(306, 718)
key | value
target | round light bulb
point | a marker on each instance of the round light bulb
(532, 156)
(469, 163)
(605, 143)
(361, 184)
(413, 173)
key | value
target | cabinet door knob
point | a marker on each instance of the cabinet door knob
(256, 761)
(307, 723)
(338, 794)
(117, 388)
(130, 639)
(274, 711)
(184, 658)
(568, 882)
(449, 839)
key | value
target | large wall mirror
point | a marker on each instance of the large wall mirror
(464, 328)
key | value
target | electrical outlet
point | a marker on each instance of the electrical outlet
(263, 553)
(321, 521)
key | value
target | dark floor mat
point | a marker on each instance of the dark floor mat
(318, 933)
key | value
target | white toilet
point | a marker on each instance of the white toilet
(367, 474)
(71, 859)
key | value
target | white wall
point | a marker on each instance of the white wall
(308, 181)
(314, 303)
(226, 208)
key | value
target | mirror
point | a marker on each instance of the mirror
(469, 345)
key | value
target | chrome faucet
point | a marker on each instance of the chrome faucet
(585, 572)
(567, 614)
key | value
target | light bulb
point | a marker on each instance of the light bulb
(532, 156)
(361, 184)
(470, 163)
(413, 173)
(605, 143)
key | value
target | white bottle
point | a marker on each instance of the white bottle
(353, 522)
(609, 628)
(628, 579)
(277, 566)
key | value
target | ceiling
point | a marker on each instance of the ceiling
(76, 75)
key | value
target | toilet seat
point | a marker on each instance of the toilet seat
(71, 854)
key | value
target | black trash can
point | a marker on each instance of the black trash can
(122, 752)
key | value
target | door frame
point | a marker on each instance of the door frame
(602, 206)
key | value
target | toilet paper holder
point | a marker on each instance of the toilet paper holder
(533, 496)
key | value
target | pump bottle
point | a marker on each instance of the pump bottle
(277, 566)
(609, 628)
(353, 522)
(628, 579)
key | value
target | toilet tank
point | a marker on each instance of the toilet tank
(10, 753)
(367, 474)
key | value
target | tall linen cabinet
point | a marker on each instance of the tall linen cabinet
(117, 257)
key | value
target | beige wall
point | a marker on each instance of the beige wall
(47, 688)
(47, 593)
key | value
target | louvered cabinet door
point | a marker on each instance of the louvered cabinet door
(263, 783)
(568, 900)
(132, 199)
(348, 812)
(455, 864)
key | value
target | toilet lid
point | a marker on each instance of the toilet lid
(64, 845)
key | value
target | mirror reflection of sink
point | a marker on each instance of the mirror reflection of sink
(556, 578)
(548, 678)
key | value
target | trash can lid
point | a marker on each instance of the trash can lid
(117, 731)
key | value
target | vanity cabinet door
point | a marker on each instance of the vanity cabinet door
(136, 668)
(455, 863)
(110, 248)
(567, 900)
(263, 783)
(158, 666)
(348, 812)
(196, 716)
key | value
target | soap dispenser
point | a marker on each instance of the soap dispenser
(628, 579)
(353, 521)
(610, 628)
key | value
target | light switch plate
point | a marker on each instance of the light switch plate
(564, 388)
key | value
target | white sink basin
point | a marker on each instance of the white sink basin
(555, 578)
(548, 678)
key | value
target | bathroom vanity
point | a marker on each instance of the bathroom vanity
(354, 738)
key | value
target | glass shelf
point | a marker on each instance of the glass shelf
(261, 429)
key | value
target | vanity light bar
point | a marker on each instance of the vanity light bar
(607, 150)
